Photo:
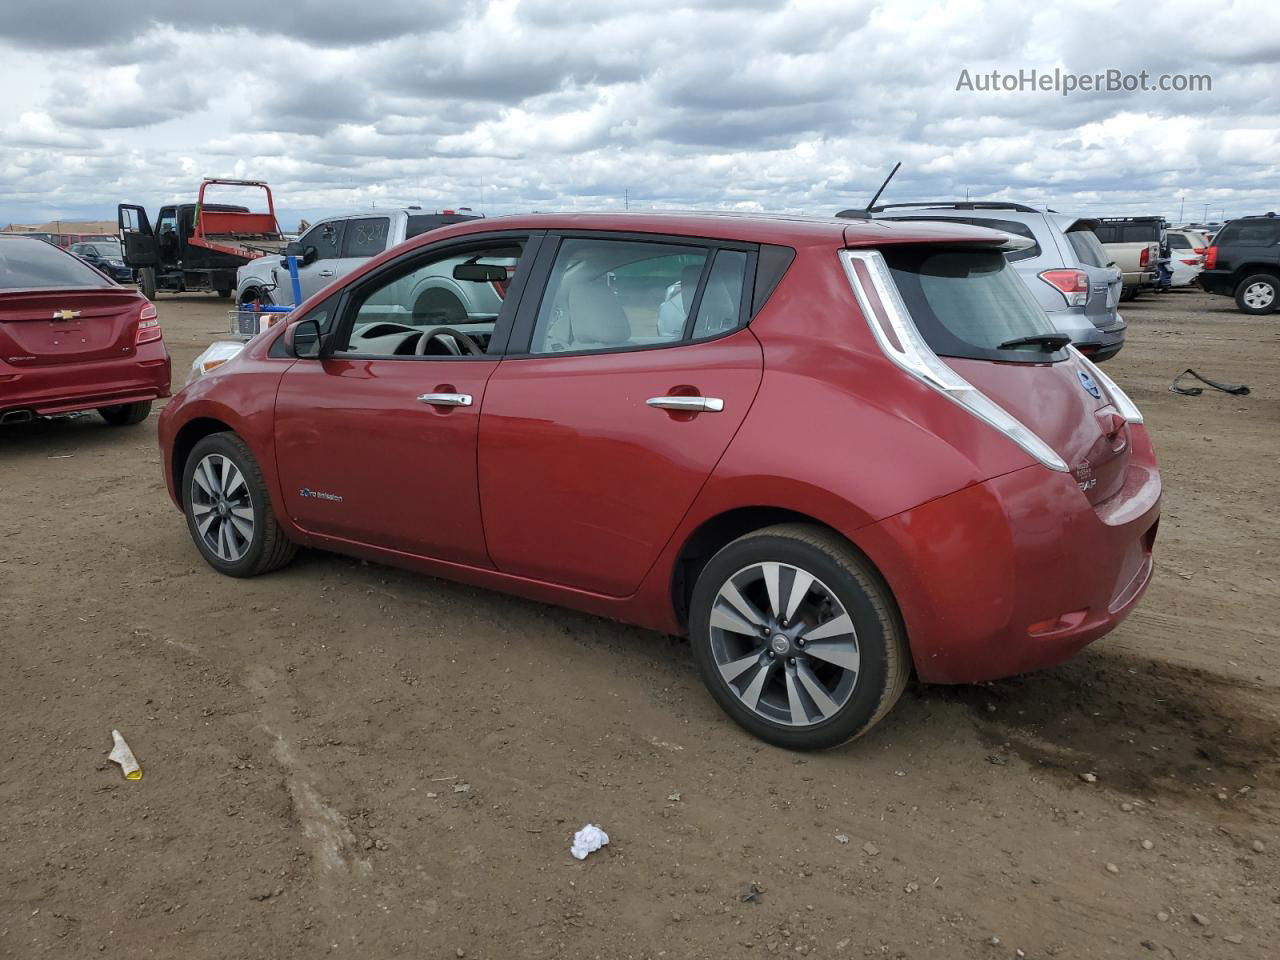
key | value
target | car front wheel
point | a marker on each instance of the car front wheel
(1257, 294)
(228, 510)
(797, 637)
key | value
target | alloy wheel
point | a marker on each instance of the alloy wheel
(784, 644)
(222, 507)
(1259, 296)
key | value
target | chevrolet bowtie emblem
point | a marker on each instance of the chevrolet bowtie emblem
(65, 314)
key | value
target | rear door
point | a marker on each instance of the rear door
(1105, 278)
(598, 433)
(54, 309)
(967, 308)
(136, 237)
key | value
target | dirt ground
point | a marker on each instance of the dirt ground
(345, 759)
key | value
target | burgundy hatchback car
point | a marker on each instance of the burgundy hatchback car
(829, 452)
(72, 339)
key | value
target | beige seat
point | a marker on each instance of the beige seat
(596, 318)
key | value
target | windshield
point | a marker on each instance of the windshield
(107, 248)
(27, 263)
(967, 303)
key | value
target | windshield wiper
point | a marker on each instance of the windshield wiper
(1050, 341)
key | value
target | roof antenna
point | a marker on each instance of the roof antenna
(865, 214)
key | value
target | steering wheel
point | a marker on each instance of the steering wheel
(459, 339)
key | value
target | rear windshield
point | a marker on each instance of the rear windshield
(1254, 233)
(1142, 232)
(1178, 242)
(967, 303)
(26, 263)
(1088, 248)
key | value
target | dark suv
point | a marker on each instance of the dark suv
(1244, 262)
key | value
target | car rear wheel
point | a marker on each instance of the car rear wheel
(1257, 294)
(125, 414)
(797, 637)
(228, 510)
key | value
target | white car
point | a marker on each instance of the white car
(1184, 260)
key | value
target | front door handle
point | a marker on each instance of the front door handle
(325, 273)
(447, 399)
(687, 404)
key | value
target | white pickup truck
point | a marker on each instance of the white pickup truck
(335, 246)
(1133, 244)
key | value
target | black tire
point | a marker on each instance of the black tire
(253, 295)
(1259, 294)
(884, 664)
(224, 292)
(126, 414)
(268, 547)
(147, 282)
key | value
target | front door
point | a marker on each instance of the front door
(636, 372)
(376, 441)
(315, 270)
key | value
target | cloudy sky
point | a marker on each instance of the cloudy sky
(518, 105)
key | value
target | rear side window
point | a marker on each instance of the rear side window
(620, 294)
(1088, 248)
(1143, 232)
(365, 238)
(33, 263)
(1250, 233)
(968, 303)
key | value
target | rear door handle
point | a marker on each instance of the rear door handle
(687, 404)
(447, 399)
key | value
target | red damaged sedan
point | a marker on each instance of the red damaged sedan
(828, 452)
(72, 339)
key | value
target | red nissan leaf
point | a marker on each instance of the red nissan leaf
(72, 339)
(831, 453)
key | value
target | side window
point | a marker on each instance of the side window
(168, 222)
(611, 294)
(1178, 242)
(447, 306)
(721, 306)
(1250, 233)
(365, 238)
(325, 237)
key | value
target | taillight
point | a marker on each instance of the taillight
(1211, 258)
(148, 326)
(1072, 284)
(1194, 262)
(1144, 258)
(1198, 250)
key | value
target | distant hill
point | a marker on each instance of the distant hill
(91, 227)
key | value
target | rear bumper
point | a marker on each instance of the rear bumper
(84, 386)
(1214, 282)
(1019, 572)
(1142, 278)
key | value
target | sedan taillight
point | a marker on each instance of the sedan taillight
(148, 326)
(1072, 284)
(1211, 258)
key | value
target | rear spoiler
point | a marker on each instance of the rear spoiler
(945, 233)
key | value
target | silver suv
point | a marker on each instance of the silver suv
(1062, 263)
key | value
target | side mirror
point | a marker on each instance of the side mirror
(305, 340)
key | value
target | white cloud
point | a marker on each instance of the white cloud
(522, 104)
